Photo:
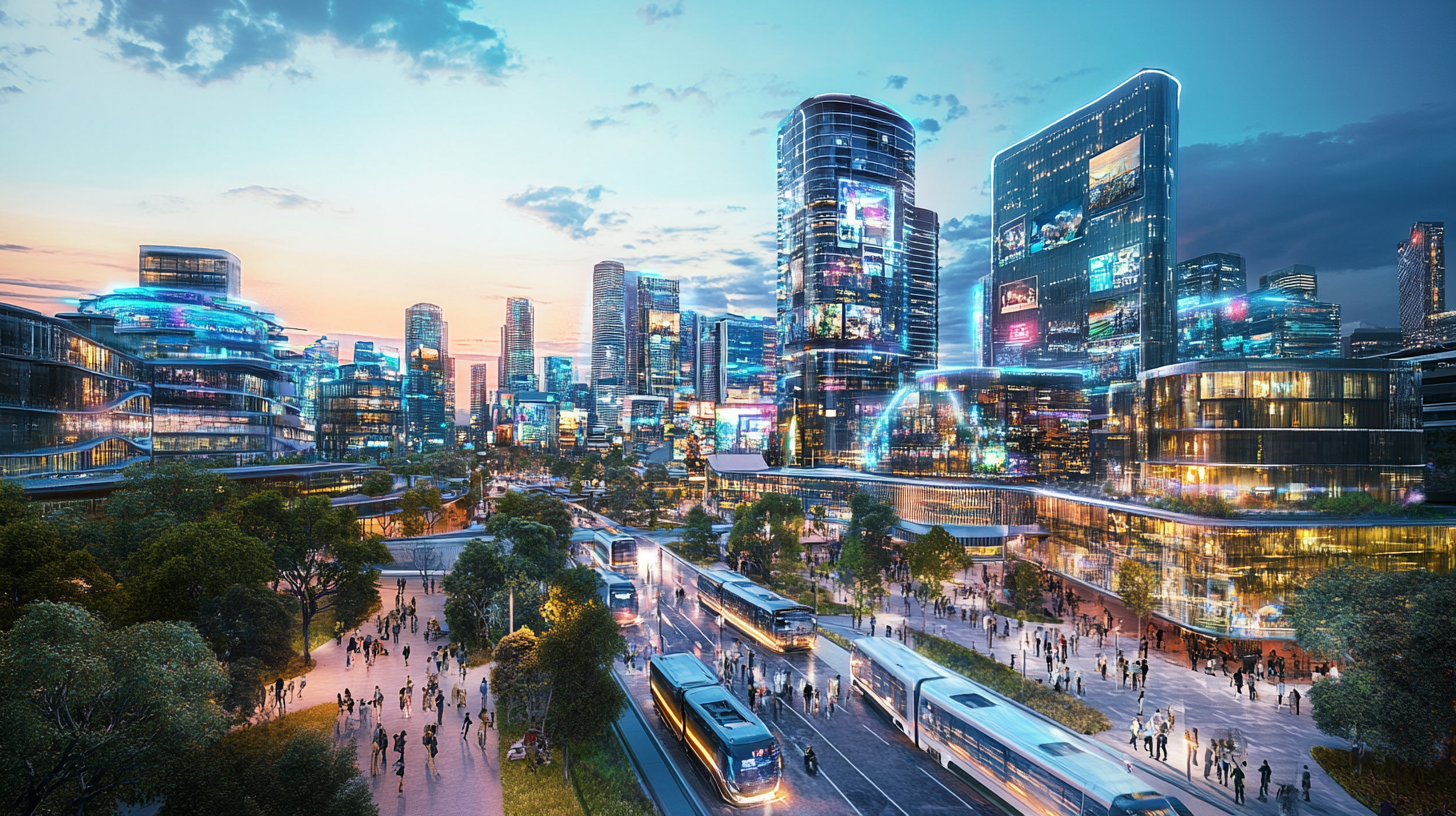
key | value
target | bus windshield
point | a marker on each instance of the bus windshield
(796, 622)
(755, 763)
(1142, 804)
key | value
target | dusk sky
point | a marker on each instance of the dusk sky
(363, 156)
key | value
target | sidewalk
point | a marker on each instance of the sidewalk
(469, 782)
(1207, 703)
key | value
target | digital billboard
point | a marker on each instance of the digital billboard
(824, 320)
(1011, 243)
(1115, 269)
(1113, 317)
(745, 428)
(1018, 296)
(663, 324)
(1022, 333)
(1111, 360)
(1115, 176)
(791, 326)
(866, 214)
(1055, 228)
(796, 274)
(862, 322)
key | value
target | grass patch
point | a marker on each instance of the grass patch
(837, 639)
(1064, 708)
(606, 783)
(320, 718)
(1032, 615)
(544, 792)
(1411, 790)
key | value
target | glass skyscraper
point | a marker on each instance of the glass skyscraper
(518, 346)
(560, 373)
(1421, 282)
(1083, 230)
(426, 423)
(360, 412)
(655, 337)
(192, 269)
(609, 341)
(743, 360)
(688, 351)
(846, 186)
(479, 402)
(922, 250)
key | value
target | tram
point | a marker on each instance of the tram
(616, 551)
(619, 595)
(766, 616)
(737, 750)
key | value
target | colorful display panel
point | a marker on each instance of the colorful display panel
(866, 214)
(1011, 243)
(1113, 317)
(1022, 333)
(745, 428)
(796, 274)
(1055, 228)
(1115, 270)
(825, 320)
(1018, 296)
(663, 324)
(1115, 175)
(791, 326)
(863, 323)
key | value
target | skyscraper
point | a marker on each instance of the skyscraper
(846, 178)
(479, 402)
(657, 337)
(609, 341)
(689, 366)
(518, 346)
(1084, 218)
(1211, 277)
(560, 373)
(743, 352)
(1296, 279)
(1281, 319)
(210, 271)
(425, 421)
(922, 250)
(1420, 274)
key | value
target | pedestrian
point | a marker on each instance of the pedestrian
(1134, 728)
(1163, 742)
(1280, 703)
(399, 743)
(432, 747)
(439, 708)
(1238, 683)
(1145, 672)
(1304, 782)
(1239, 783)
(1208, 758)
(376, 753)
(1140, 703)
(1264, 773)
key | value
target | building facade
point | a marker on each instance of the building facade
(536, 420)
(361, 413)
(427, 424)
(1372, 341)
(1281, 319)
(518, 346)
(560, 375)
(922, 262)
(655, 337)
(191, 269)
(1084, 216)
(479, 403)
(1420, 274)
(609, 341)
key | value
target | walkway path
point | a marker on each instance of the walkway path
(469, 783)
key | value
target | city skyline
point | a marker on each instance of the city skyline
(305, 223)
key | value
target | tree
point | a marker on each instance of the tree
(419, 510)
(874, 522)
(522, 686)
(426, 559)
(577, 652)
(15, 505)
(693, 455)
(95, 716)
(698, 539)
(767, 531)
(1137, 586)
(932, 559)
(36, 566)
(1025, 585)
(480, 573)
(539, 507)
(378, 483)
(178, 569)
(248, 622)
(155, 497)
(533, 543)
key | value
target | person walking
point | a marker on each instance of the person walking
(432, 747)
(1134, 729)
(1304, 783)
(1239, 783)
(439, 708)
(1294, 701)
(465, 729)
(1264, 773)
(376, 753)
(1208, 758)
(1280, 702)
(399, 743)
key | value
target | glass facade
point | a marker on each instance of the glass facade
(1083, 234)
(643, 418)
(846, 178)
(609, 341)
(691, 327)
(560, 374)
(1420, 273)
(536, 420)
(922, 252)
(518, 347)
(1268, 323)
(656, 337)
(744, 360)
(426, 423)
(210, 271)
(360, 413)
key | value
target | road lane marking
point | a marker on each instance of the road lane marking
(872, 731)
(846, 759)
(948, 790)
(823, 774)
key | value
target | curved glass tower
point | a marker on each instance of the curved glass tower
(846, 179)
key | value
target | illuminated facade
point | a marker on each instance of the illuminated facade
(427, 424)
(518, 347)
(922, 262)
(1372, 341)
(985, 423)
(1084, 222)
(690, 364)
(739, 360)
(846, 183)
(560, 374)
(536, 420)
(1282, 319)
(654, 336)
(191, 269)
(67, 402)
(479, 403)
(360, 413)
(1420, 274)
(609, 341)
(1277, 431)
(643, 418)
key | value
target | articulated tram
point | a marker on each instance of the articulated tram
(615, 550)
(979, 736)
(619, 594)
(766, 616)
(737, 750)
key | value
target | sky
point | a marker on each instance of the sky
(361, 157)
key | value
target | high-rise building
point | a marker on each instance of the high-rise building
(518, 346)
(1281, 319)
(537, 420)
(655, 337)
(192, 269)
(609, 341)
(846, 179)
(689, 350)
(1372, 341)
(922, 254)
(560, 374)
(1084, 222)
(426, 423)
(1421, 283)
(743, 353)
(980, 322)
(479, 403)
(360, 412)
(1211, 277)
(1207, 285)
(1296, 279)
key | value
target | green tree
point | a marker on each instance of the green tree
(95, 716)
(522, 686)
(480, 573)
(35, 565)
(655, 474)
(1025, 584)
(248, 622)
(175, 571)
(932, 559)
(1137, 586)
(698, 539)
(539, 507)
(855, 572)
(874, 522)
(767, 531)
(15, 505)
(153, 498)
(533, 543)
(378, 483)
(419, 510)
(577, 653)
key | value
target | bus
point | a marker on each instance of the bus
(740, 754)
(619, 594)
(766, 616)
(616, 551)
(1031, 762)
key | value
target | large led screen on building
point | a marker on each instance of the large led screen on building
(745, 428)
(1055, 228)
(796, 274)
(1113, 317)
(1018, 296)
(663, 324)
(535, 424)
(824, 320)
(866, 214)
(1115, 269)
(863, 323)
(791, 326)
(1115, 176)
(1011, 242)
(1022, 333)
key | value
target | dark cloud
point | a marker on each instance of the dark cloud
(953, 107)
(209, 40)
(275, 197)
(653, 13)
(928, 126)
(966, 229)
(561, 208)
(13, 248)
(743, 291)
(896, 81)
(746, 260)
(1338, 200)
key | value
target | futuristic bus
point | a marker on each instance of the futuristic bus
(739, 753)
(768, 617)
(620, 595)
(1031, 762)
(616, 551)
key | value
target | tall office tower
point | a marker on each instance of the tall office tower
(744, 353)
(210, 271)
(449, 384)
(1209, 300)
(1084, 217)
(1420, 274)
(980, 320)
(364, 353)
(426, 424)
(708, 361)
(609, 341)
(690, 338)
(559, 373)
(518, 346)
(1296, 279)
(1280, 319)
(1211, 277)
(846, 177)
(657, 338)
(922, 256)
(581, 397)
(479, 402)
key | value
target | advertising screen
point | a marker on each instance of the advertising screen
(791, 326)
(1021, 333)
(1011, 243)
(1018, 296)
(824, 320)
(1055, 228)
(663, 324)
(796, 274)
(1113, 317)
(1115, 176)
(1113, 359)
(1099, 272)
(862, 323)
(745, 428)
(1115, 269)
(866, 213)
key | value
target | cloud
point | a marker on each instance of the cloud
(896, 81)
(780, 89)
(735, 208)
(966, 229)
(653, 13)
(613, 219)
(1338, 200)
(742, 291)
(966, 257)
(166, 204)
(561, 208)
(278, 197)
(601, 122)
(641, 105)
(683, 93)
(953, 107)
(209, 40)
(758, 131)
(9, 90)
(638, 90)
(1057, 80)
(13, 248)
(775, 115)
(928, 126)
(49, 284)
